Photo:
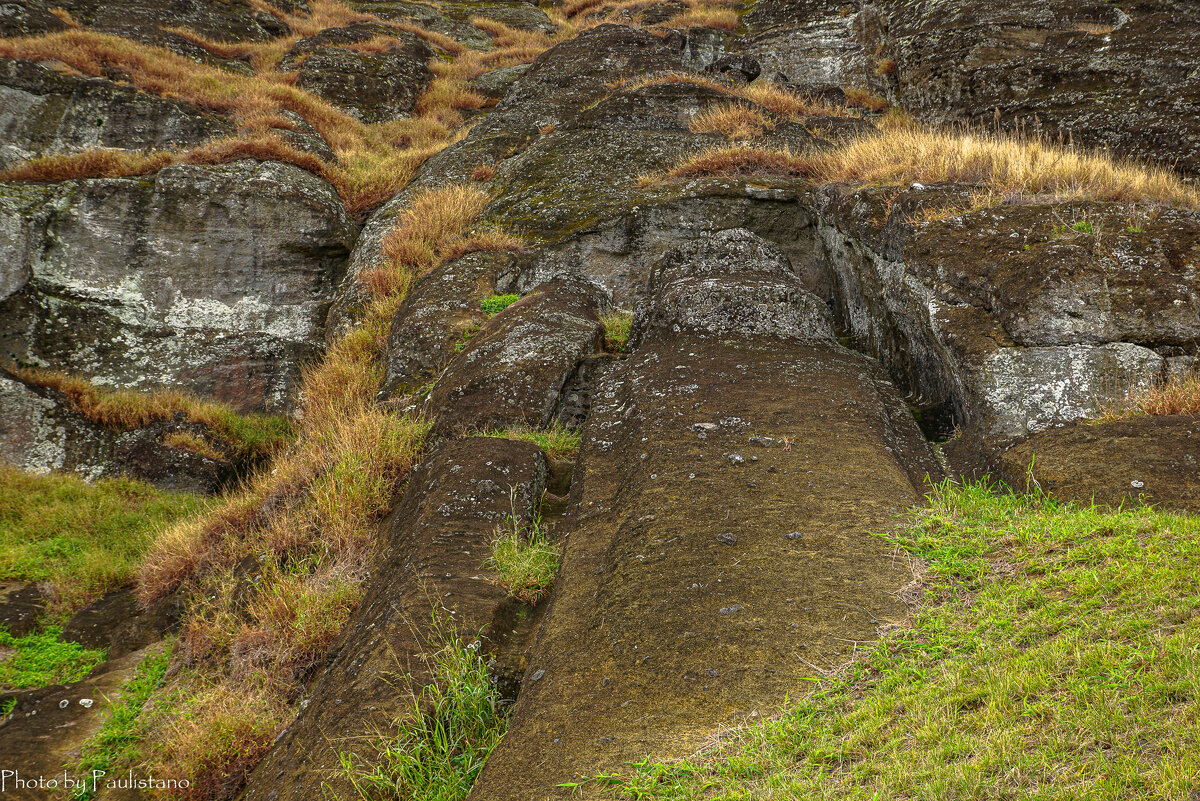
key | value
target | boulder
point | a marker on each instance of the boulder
(511, 372)
(692, 292)
(373, 87)
(209, 279)
(1113, 462)
(438, 315)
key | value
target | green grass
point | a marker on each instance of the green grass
(82, 539)
(118, 741)
(498, 303)
(559, 442)
(439, 746)
(617, 325)
(525, 560)
(1056, 656)
(41, 658)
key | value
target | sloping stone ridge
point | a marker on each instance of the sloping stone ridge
(1151, 459)
(512, 372)
(438, 540)
(210, 279)
(438, 313)
(719, 542)
(43, 112)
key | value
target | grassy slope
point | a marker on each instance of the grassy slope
(1056, 656)
(82, 539)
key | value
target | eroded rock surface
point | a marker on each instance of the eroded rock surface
(511, 373)
(211, 279)
(1155, 459)
(719, 540)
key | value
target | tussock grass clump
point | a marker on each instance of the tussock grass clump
(212, 737)
(80, 540)
(253, 436)
(558, 441)
(437, 748)
(525, 560)
(735, 120)
(497, 303)
(774, 98)
(1177, 396)
(1055, 654)
(744, 160)
(617, 327)
(1009, 166)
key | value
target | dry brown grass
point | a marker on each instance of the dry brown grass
(1009, 166)
(1177, 396)
(319, 509)
(192, 443)
(253, 436)
(483, 172)
(739, 160)
(735, 120)
(861, 98)
(216, 734)
(774, 98)
(373, 161)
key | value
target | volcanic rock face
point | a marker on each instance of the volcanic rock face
(795, 345)
(43, 113)
(374, 87)
(213, 279)
(719, 525)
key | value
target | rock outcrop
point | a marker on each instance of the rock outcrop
(43, 112)
(211, 279)
(719, 539)
(41, 432)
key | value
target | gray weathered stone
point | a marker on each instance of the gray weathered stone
(212, 279)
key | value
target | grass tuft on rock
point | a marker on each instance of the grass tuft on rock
(1011, 166)
(435, 751)
(1056, 654)
(558, 441)
(497, 303)
(1176, 396)
(617, 326)
(525, 560)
